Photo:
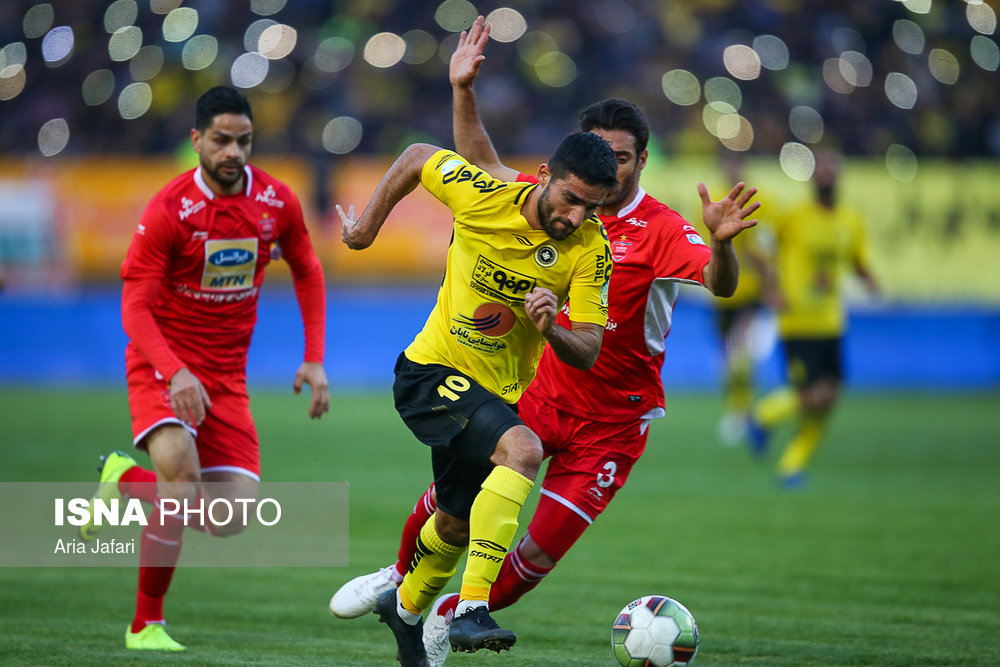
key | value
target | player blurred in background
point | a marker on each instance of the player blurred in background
(594, 424)
(817, 243)
(189, 304)
(743, 320)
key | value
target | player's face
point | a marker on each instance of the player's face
(223, 150)
(630, 164)
(565, 203)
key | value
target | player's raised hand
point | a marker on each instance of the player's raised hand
(728, 217)
(542, 307)
(188, 398)
(349, 229)
(312, 374)
(468, 56)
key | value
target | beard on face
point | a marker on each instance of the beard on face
(544, 209)
(222, 178)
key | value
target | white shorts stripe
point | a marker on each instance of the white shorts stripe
(169, 420)
(565, 503)
(160, 539)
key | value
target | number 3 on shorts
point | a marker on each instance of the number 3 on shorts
(604, 480)
(453, 385)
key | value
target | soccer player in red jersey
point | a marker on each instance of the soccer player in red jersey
(192, 277)
(593, 424)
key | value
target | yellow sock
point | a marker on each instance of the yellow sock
(492, 524)
(739, 387)
(434, 565)
(801, 448)
(777, 407)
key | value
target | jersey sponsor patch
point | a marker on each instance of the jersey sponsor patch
(694, 239)
(491, 319)
(229, 264)
(503, 284)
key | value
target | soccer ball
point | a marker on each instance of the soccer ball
(654, 631)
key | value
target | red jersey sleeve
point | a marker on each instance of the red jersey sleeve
(308, 279)
(143, 273)
(682, 254)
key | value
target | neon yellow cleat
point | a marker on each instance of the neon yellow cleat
(153, 637)
(111, 467)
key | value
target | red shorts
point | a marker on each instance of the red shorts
(226, 440)
(590, 460)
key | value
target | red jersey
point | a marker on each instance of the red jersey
(194, 269)
(654, 251)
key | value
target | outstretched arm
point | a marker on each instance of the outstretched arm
(471, 140)
(724, 220)
(401, 179)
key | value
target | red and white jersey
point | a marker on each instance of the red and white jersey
(654, 251)
(194, 269)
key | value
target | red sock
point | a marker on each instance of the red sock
(160, 547)
(137, 482)
(408, 541)
(517, 576)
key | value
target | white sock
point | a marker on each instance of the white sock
(468, 605)
(408, 616)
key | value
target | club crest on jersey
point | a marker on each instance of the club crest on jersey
(620, 248)
(266, 227)
(229, 264)
(546, 255)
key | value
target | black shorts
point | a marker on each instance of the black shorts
(811, 359)
(727, 317)
(459, 420)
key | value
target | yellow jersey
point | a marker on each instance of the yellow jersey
(479, 325)
(816, 246)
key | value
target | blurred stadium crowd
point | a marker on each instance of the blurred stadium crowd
(359, 76)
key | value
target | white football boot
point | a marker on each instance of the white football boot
(357, 597)
(436, 627)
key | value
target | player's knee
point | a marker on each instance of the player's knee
(451, 530)
(521, 450)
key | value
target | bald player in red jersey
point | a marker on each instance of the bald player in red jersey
(593, 424)
(192, 277)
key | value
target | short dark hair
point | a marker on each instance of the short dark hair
(586, 156)
(615, 113)
(219, 100)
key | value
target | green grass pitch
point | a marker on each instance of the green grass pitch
(889, 556)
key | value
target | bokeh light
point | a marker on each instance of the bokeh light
(742, 62)
(534, 45)
(333, 54)
(147, 63)
(455, 15)
(555, 69)
(719, 89)
(12, 80)
(134, 100)
(856, 68)
(901, 163)
(420, 47)
(742, 140)
(384, 49)
(199, 52)
(37, 20)
(280, 76)
(901, 90)
(57, 45)
(681, 87)
(125, 43)
(164, 6)
(918, 6)
(251, 36)
(506, 24)
(943, 66)
(772, 51)
(985, 53)
(98, 87)
(797, 161)
(267, 7)
(806, 124)
(53, 137)
(721, 120)
(180, 24)
(615, 16)
(342, 135)
(120, 14)
(908, 36)
(249, 70)
(834, 77)
(277, 41)
(981, 17)
(14, 53)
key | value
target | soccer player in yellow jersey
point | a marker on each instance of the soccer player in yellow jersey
(518, 252)
(739, 320)
(817, 243)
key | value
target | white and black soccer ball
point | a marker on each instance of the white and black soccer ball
(654, 631)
